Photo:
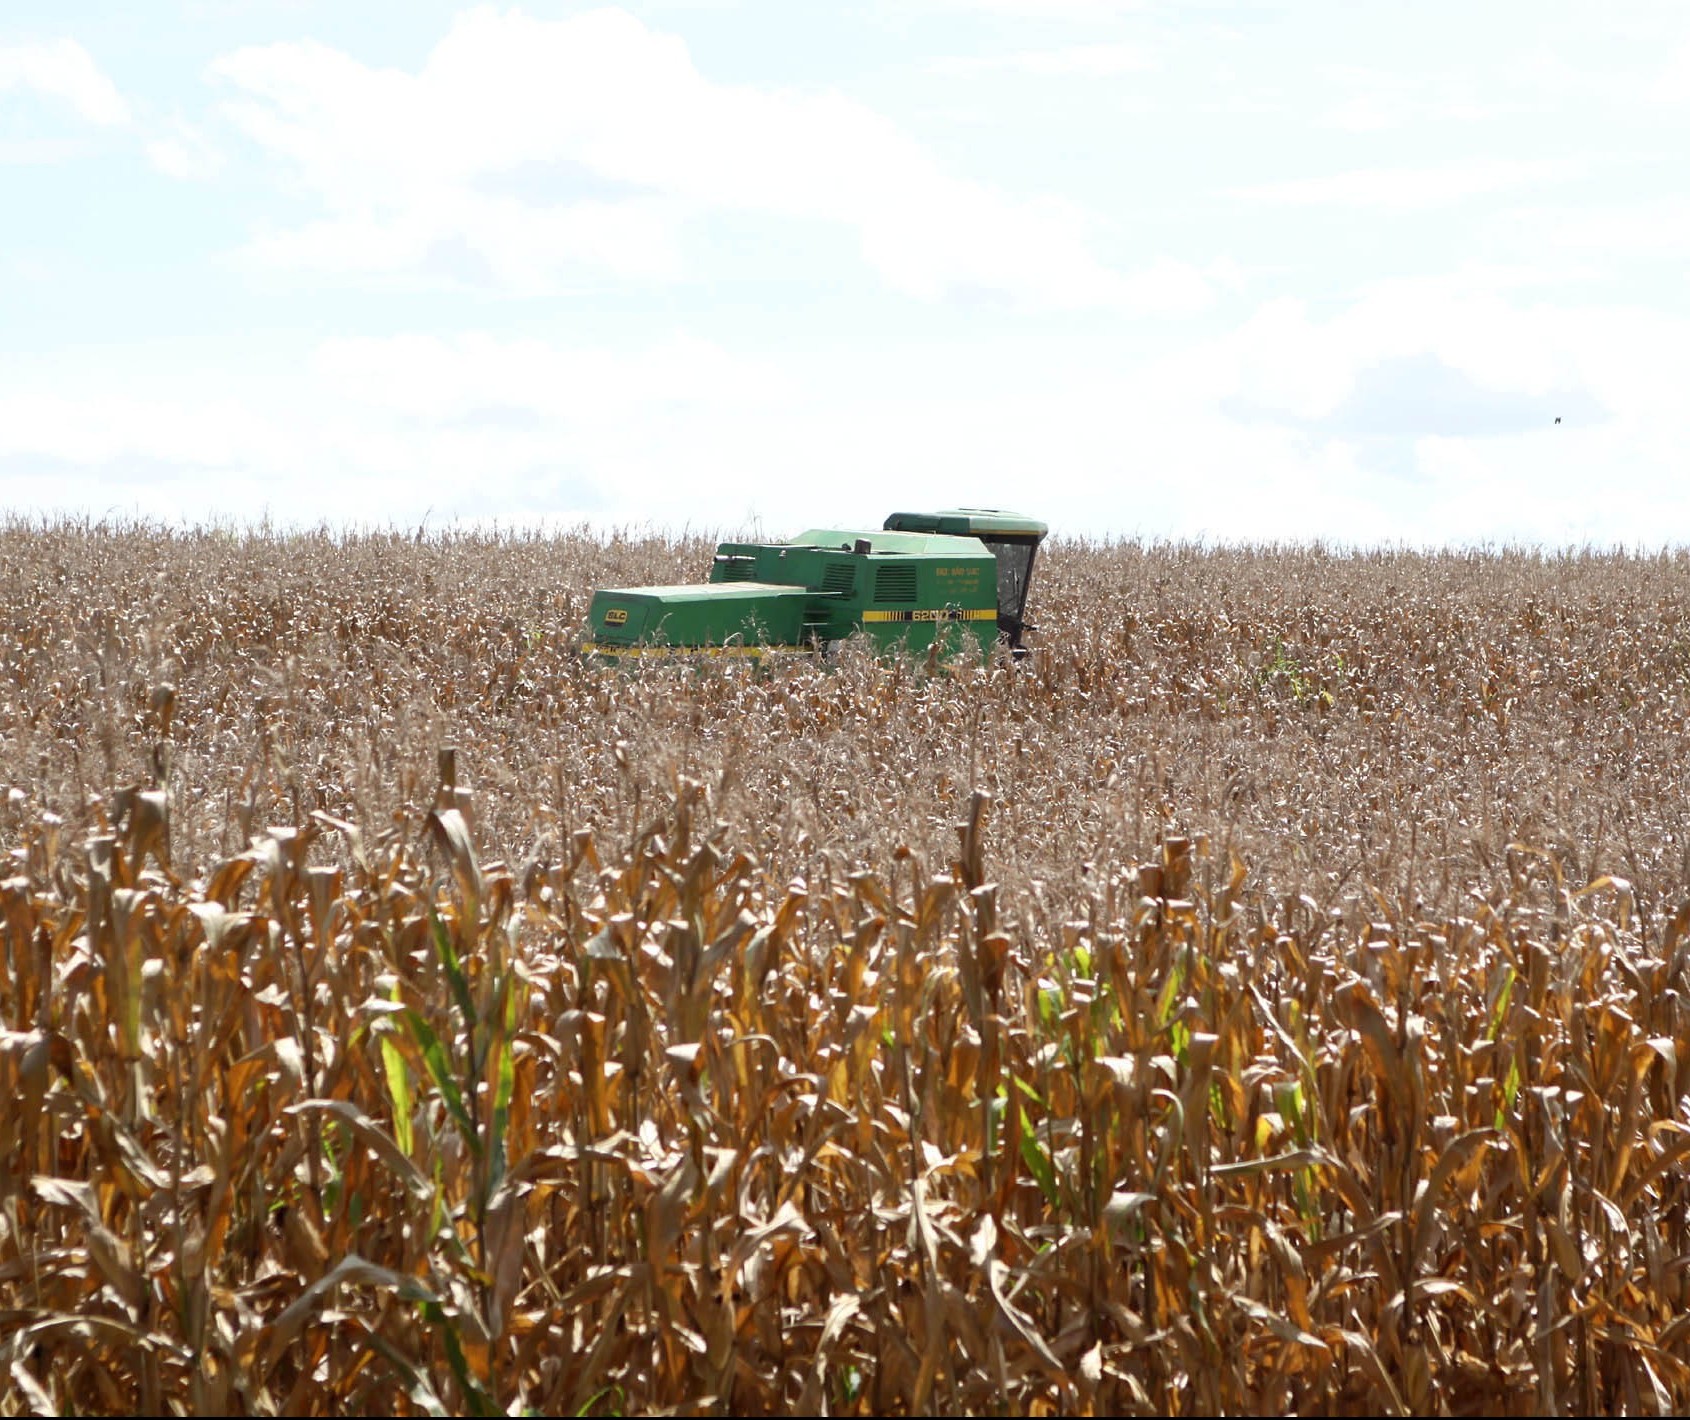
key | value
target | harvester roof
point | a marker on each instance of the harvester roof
(926, 541)
(969, 522)
(710, 592)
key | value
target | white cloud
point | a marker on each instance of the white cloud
(172, 427)
(403, 165)
(374, 428)
(1373, 100)
(181, 150)
(1253, 432)
(1402, 189)
(473, 238)
(1174, 288)
(1655, 226)
(1284, 361)
(1043, 9)
(479, 425)
(1074, 61)
(1672, 84)
(23, 151)
(440, 379)
(63, 69)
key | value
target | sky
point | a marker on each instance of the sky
(1229, 270)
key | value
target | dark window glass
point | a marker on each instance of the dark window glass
(1015, 563)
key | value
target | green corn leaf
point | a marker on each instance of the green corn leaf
(454, 971)
(476, 1399)
(1501, 1010)
(399, 1091)
(440, 1069)
(417, 1387)
(1038, 1162)
(502, 1092)
(1179, 1038)
(1167, 1000)
(1510, 1091)
(398, 1086)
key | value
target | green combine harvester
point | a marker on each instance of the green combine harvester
(956, 578)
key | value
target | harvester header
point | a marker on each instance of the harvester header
(957, 578)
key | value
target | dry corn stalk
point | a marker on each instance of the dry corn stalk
(405, 1134)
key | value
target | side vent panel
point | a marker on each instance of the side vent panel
(735, 569)
(895, 583)
(839, 577)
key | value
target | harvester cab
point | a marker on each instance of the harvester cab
(948, 580)
(1010, 538)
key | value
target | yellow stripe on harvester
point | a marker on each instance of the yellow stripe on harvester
(589, 648)
(947, 613)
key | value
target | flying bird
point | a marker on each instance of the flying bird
(1557, 418)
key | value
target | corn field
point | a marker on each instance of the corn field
(1273, 996)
